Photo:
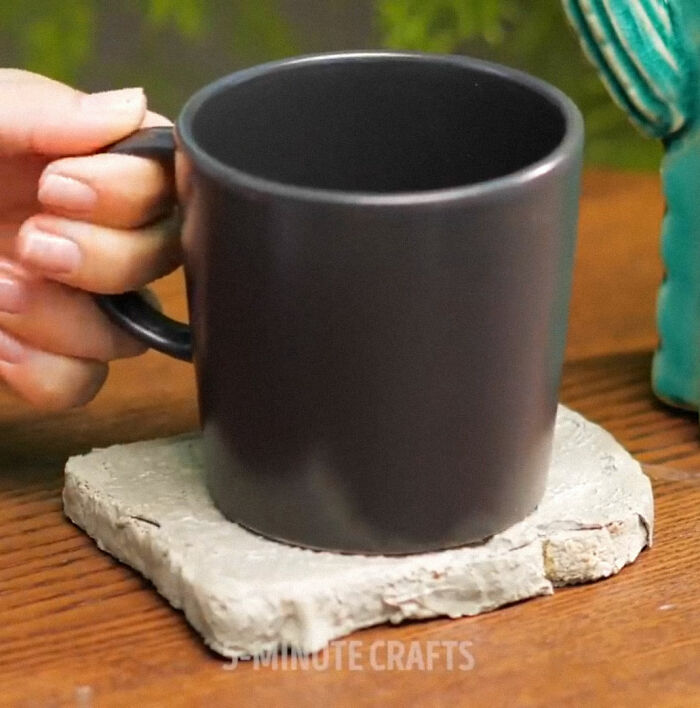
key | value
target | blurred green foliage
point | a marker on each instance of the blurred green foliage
(186, 16)
(532, 36)
(443, 25)
(49, 37)
(170, 47)
(173, 46)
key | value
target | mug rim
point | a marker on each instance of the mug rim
(567, 147)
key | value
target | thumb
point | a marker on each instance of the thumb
(42, 116)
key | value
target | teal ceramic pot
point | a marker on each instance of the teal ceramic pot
(648, 55)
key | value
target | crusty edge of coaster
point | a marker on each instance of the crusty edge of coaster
(439, 586)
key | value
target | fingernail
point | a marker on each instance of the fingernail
(127, 100)
(49, 252)
(11, 351)
(12, 295)
(60, 191)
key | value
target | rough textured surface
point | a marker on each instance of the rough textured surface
(146, 504)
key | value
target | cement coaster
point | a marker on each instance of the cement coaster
(146, 504)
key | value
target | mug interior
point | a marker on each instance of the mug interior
(378, 124)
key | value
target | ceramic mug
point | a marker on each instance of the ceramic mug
(378, 252)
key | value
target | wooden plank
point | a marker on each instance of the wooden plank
(78, 628)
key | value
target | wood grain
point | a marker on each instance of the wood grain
(618, 266)
(78, 628)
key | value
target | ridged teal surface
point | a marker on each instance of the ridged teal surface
(676, 368)
(642, 56)
(648, 55)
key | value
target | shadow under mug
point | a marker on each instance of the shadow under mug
(378, 252)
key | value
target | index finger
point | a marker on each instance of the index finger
(42, 116)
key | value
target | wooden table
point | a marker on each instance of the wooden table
(78, 628)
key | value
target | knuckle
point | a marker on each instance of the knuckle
(146, 255)
(120, 345)
(109, 272)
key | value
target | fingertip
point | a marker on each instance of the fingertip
(155, 120)
(51, 382)
(129, 102)
(93, 383)
(47, 117)
(79, 123)
(107, 116)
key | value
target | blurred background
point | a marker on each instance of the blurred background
(172, 47)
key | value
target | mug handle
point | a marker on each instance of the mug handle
(130, 310)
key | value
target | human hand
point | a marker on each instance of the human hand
(72, 223)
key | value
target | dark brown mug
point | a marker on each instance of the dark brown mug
(378, 252)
